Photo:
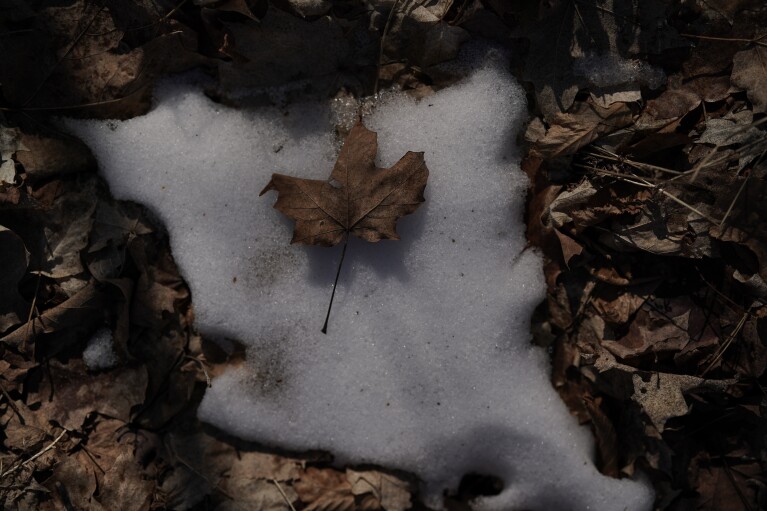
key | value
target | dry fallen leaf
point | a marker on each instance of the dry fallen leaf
(684, 92)
(78, 394)
(660, 395)
(732, 129)
(325, 490)
(92, 60)
(606, 438)
(239, 477)
(749, 70)
(14, 259)
(97, 469)
(49, 156)
(270, 53)
(68, 320)
(383, 491)
(655, 332)
(359, 198)
(10, 143)
(587, 122)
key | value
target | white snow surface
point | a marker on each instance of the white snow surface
(100, 353)
(610, 70)
(427, 365)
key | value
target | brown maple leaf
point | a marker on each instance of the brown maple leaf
(359, 198)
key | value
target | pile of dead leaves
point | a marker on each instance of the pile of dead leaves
(648, 202)
(101, 59)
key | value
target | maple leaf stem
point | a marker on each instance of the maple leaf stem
(338, 273)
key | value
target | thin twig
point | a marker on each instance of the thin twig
(718, 11)
(583, 23)
(196, 472)
(32, 309)
(628, 19)
(755, 40)
(732, 304)
(202, 366)
(688, 206)
(12, 405)
(34, 457)
(727, 342)
(732, 204)
(173, 11)
(641, 181)
(617, 175)
(706, 161)
(72, 107)
(609, 155)
(274, 481)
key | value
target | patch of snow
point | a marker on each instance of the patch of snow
(311, 7)
(100, 353)
(427, 365)
(611, 70)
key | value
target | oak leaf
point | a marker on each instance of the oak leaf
(359, 198)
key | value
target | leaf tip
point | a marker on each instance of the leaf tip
(269, 186)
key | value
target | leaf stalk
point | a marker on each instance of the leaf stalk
(335, 283)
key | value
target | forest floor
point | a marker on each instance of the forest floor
(645, 153)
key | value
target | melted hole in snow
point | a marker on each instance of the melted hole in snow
(427, 365)
(266, 369)
(478, 485)
(268, 265)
